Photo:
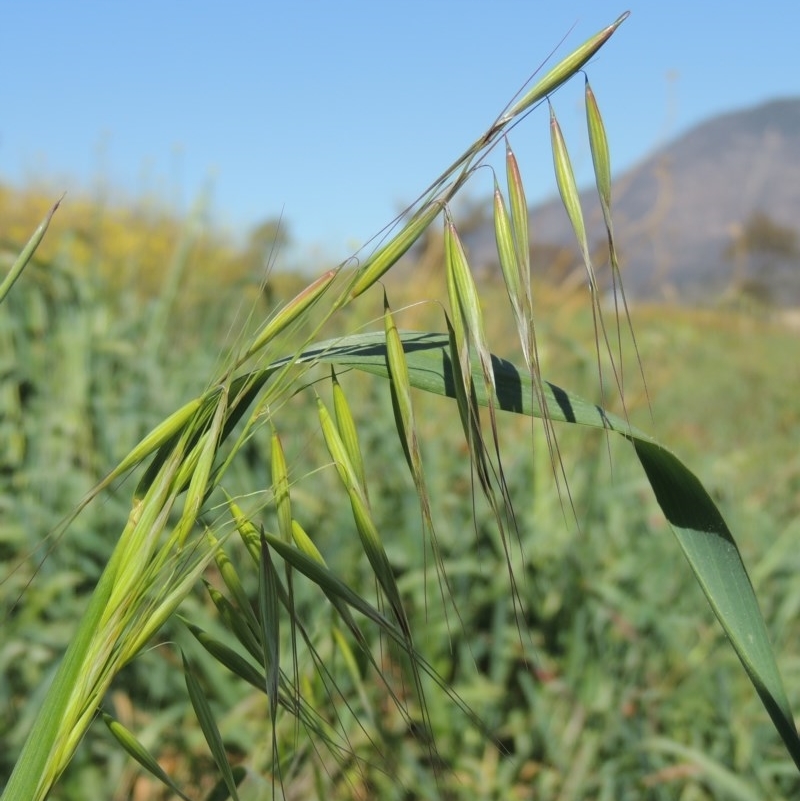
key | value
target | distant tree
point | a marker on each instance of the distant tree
(268, 237)
(264, 242)
(552, 262)
(762, 236)
(760, 250)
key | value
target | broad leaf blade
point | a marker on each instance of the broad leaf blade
(718, 566)
(697, 523)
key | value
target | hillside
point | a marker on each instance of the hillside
(717, 210)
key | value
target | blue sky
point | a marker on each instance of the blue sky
(337, 114)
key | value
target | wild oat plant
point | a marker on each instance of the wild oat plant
(341, 671)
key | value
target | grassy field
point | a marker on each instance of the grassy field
(598, 672)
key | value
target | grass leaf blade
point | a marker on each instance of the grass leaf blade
(697, 523)
(208, 724)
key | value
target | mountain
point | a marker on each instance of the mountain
(716, 210)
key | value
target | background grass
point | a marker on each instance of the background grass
(621, 684)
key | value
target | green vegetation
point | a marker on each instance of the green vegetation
(335, 586)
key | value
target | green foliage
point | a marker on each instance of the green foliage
(398, 600)
(129, 246)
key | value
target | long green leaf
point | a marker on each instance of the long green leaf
(696, 522)
(208, 724)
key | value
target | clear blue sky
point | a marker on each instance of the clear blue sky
(338, 113)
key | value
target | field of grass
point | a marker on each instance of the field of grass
(600, 673)
(396, 536)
